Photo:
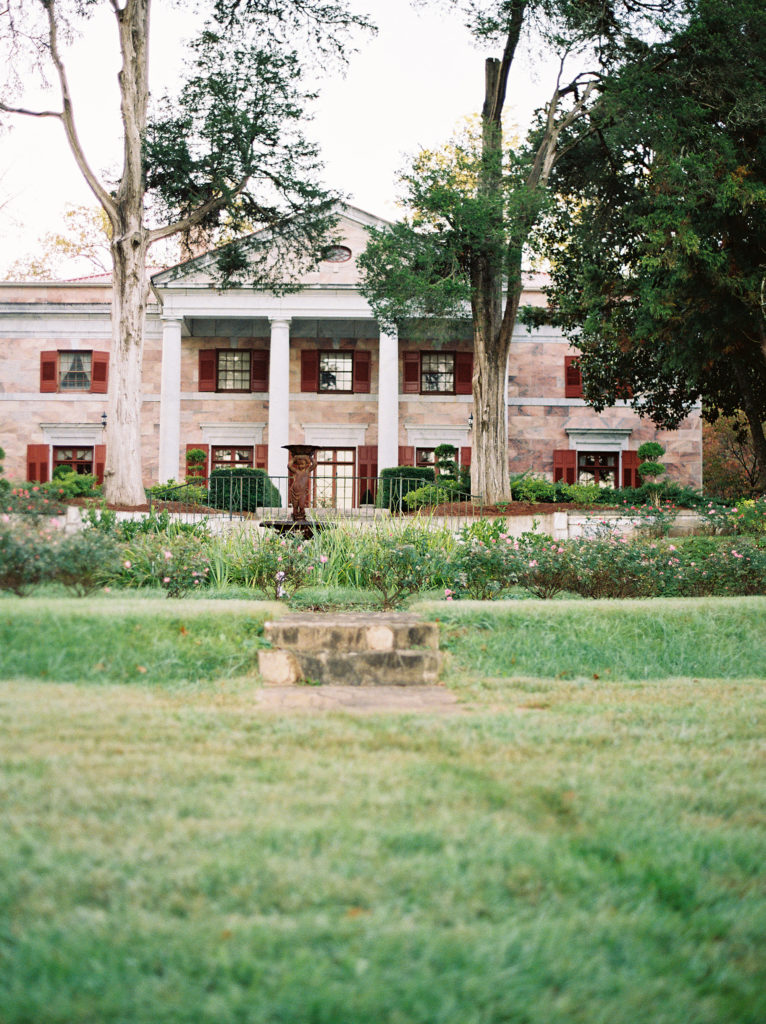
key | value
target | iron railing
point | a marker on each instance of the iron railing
(332, 497)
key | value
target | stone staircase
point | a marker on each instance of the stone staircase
(353, 649)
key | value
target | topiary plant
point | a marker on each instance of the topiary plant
(649, 452)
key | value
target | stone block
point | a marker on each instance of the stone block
(279, 668)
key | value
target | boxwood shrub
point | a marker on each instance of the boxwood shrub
(242, 490)
(397, 481)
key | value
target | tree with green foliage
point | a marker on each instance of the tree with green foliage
(226, 150)
(472, 206)
(658, 239)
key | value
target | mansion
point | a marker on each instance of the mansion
(239, 373)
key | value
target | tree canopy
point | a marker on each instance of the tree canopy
(471, 208)
(226, 150)
(657, 239)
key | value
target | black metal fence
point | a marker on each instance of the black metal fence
(332, 496)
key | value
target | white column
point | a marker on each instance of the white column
(170, 399)
(279, 402)
(388, 400)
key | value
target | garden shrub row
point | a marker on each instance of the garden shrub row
(483, 562)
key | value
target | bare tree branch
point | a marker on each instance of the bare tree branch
(67, 117)
(31, 113)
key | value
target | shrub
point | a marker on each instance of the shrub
(68, 484)
(483, 569)
(399, 566)
(105, 521)
(86, 560)
(435, 494)
(745, 517)
(176, 564)
(242, 490)
(190, 494)
(4, 485)
(27, 556)
(195, 462)
(33, 499)
(397, 481)
(278, 564)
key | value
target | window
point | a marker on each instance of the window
(233, 371)
(600, 468)
(74, 371)
(336, 371)
(71, 372)
(438, 373)
(425, 457)
(78, 459)
(572, 377)
(231, 458)
(343, 371)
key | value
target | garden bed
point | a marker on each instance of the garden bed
(514, 508)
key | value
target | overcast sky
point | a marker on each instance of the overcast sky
(407, 87)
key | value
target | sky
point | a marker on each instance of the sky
(409, 86)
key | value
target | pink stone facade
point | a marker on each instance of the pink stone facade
(327, 315)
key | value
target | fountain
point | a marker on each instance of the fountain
(301, 464)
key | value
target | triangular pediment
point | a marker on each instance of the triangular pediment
(338, 269)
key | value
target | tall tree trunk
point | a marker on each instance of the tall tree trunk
(751, 410)
(123, 474)
(489, 461)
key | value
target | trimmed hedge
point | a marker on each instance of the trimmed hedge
(242, 490)
(398, 481)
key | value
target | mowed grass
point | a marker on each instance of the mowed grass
(710, 637)
(559, 851)
(130, 638)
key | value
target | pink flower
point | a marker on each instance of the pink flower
(323, 559)
(532, 564)
(448, 593)
(107, 590)
(127, 564)
(168, 554)
(166, 579)
(672, 548)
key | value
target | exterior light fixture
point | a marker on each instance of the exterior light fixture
(470, 421)
(103, 421)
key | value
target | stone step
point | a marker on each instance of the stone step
(352, 649)
(353, 632)
(350, 668)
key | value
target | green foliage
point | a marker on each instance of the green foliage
(400, 566)
(277, 564)
(746, 517)
(242, 490)
(86, 560)
(68, 484)
(187, 494)
(657, 240)
(195, 457)
(177, 564)
(397, 481)
(106, 521)
(27, 556)
(32, 499)
(445, 490)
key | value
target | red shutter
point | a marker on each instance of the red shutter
(37, 462)
(208, 363)
(201, 468)
(48, 373)
(630, 476)
(367, 459)
(565, 465)
(309, 369)
(464, 373)
(465, 457)
(362, 373)
(572, 377)
(406, 455)
(99, 461)
(262, 456)
(411, 378)
(259, 370)
(99, 373)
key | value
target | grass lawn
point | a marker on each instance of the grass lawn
(571, 849)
